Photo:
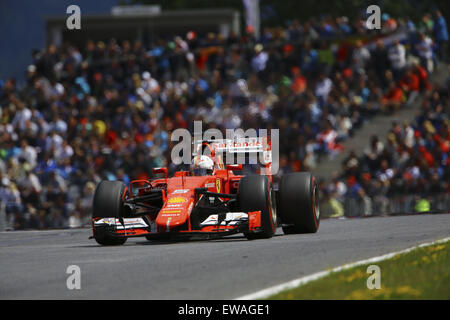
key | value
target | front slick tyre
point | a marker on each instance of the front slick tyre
(255, 194)
(299, 208)
(108, 203)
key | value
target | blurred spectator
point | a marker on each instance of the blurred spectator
(380, 61)
(361, 56)
(397, 58)
(425, 51)
(440, 32)
(409, 173)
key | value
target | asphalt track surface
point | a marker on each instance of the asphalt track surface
(34, 263)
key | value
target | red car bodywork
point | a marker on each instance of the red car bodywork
(180, 195)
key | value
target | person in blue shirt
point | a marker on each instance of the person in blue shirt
(441, 35)
(308, 59)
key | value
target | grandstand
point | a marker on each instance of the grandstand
(142, 23)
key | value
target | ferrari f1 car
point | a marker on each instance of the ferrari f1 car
(213, 205)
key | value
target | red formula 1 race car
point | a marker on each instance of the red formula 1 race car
(208, 203)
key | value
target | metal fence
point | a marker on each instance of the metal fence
(382, 205)
(331, 207)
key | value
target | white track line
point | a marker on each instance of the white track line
(303, 280)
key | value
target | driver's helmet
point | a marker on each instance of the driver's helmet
(202, 165)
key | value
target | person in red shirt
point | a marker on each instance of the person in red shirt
(423, 76)
(410, 84)
(393, 99)
(299, 82)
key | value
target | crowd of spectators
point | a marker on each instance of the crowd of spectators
(409, 172)
(106, 111)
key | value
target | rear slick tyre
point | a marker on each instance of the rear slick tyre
(299, 206)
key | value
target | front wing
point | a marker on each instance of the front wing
(213, 226)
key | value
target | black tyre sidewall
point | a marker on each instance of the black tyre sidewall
(298, 204)
(254, 195)
(108, 199)
(108, 203)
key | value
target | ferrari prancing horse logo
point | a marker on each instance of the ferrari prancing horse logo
(218, 185)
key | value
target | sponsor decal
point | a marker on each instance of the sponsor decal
(231, 218)
(171, 211)
(106, 221)
(177, 200)
(178, 205)
(170, 214)
(129, 223)
(210, 185)
(181, 191)
(239, 144)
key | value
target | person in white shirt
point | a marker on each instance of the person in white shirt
(408, 133)
(64, 152)
(28, 153)
(397, 57)
(20, 119)
(149, 84)
(53, 141)
(425, 51)
(30, 186)
(323, 87)
(360, 56)
(259, 61)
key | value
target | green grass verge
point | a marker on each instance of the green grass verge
(423, 273)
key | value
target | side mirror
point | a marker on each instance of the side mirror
(160, 170)
(234, 167)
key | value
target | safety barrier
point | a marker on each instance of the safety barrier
(361, 206)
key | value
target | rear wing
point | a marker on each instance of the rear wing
(244, 145)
